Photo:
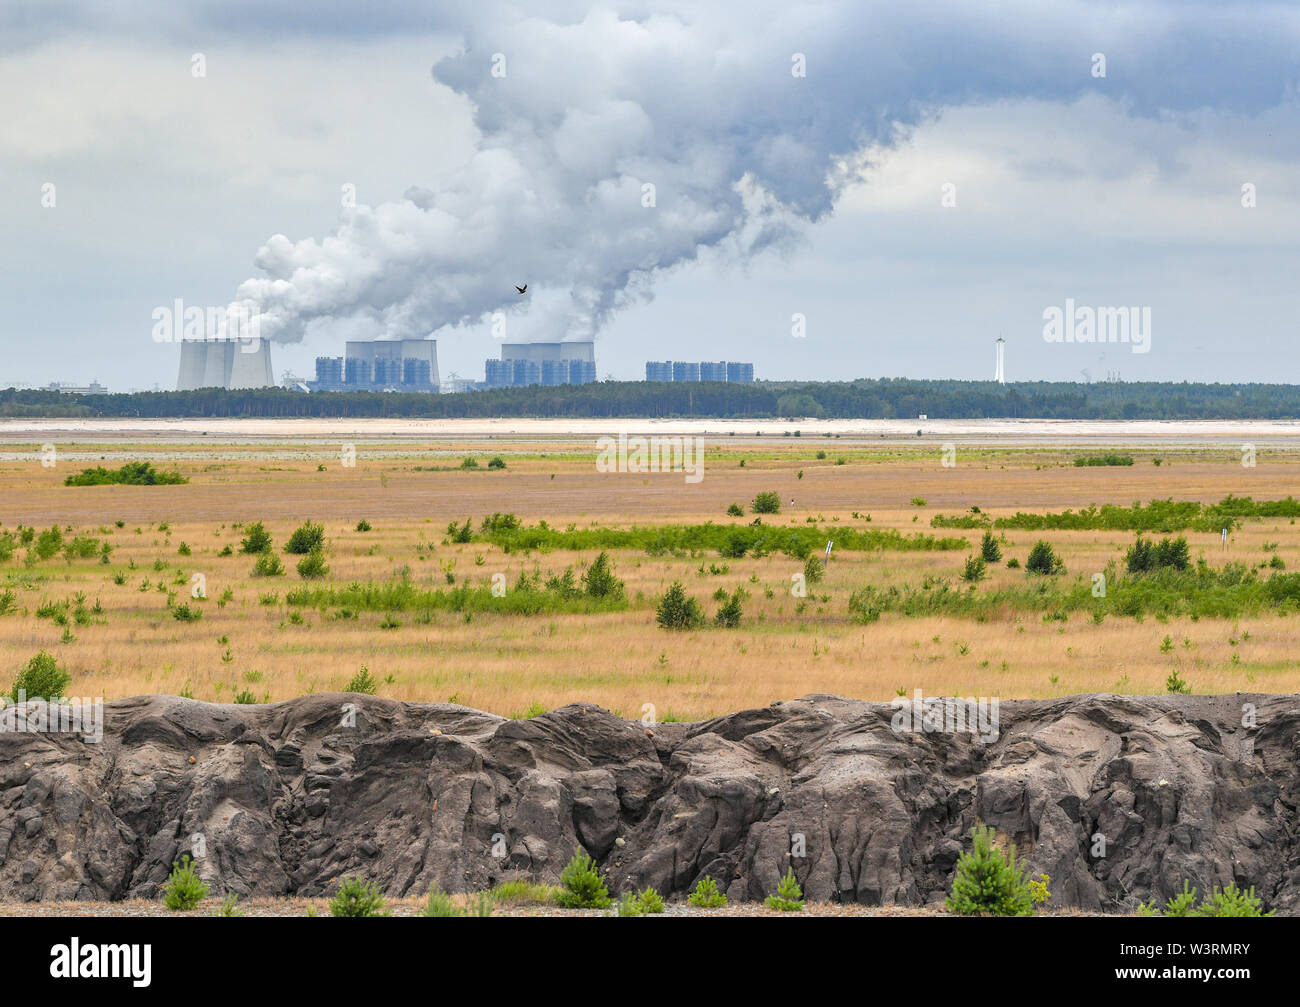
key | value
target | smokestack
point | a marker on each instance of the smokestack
(999, 375)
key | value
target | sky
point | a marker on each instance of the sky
(830, 190)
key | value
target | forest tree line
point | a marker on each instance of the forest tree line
(884, 398)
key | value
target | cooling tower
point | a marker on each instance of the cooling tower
(224, 363)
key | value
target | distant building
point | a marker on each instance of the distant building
(659, 370)
(547, 364)
(380, 365)
(709, 370)
(94, 388)
(224, 363)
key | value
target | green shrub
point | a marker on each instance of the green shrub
(989, 548)
(258, 539)
(312, 566)
(974, 569)
(1144, 556)
(813, 570)
(49, 543)
(183, 889)
(497, 463)
(306, 538)
(1229, 901)
(988, 882)
(268, 565)
(729, 612)
(706, 895)
(130, 474)
(581, 886)
(363, 525)
(735, 510)
(766, 503)
(183, 613)
(788, 897)
(439, 903)
(229, 906)
(524, 892)
(362, 682)
(1013, 564)
(1043, 559)
(599, 580)
(41, 677)
(677, 610)
(1100, 460)
(650, 901)
(628, 905)
(358, 898)
(469, 463)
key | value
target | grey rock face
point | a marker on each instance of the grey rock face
(1117, 798)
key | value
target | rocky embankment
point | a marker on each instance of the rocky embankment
(285, 798)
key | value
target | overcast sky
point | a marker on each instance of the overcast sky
(800, 155)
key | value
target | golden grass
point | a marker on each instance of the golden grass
(622, 661)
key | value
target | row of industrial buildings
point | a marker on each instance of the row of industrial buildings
(411, 365)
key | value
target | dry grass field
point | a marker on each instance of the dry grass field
(249, 640)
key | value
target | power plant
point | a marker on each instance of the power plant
(564, 363)
(380, 365)
(707, 370)
(224, 363)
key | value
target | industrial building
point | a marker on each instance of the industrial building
(564, 363)
(380, 365)
(708, 370)
(224, 363)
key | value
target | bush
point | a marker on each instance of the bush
(582, 887)
(183, 613)
(677, 610)
(362, 682)
(974, 569)
(735, 510)
(1230, 901)
(312, 566)
(268, 565)
(629, 906)
(813, 570)
(866, 604)
(599, 580)
(729, 613)
(49, 543)
(358, 898)
(497, 463)
(41, 677)
(706, 895)
(363, 525)
(1144, 556)
(439, 903)
(258, 539)
(469, 463)
(1013, 564)
(306, 538)
(229, 906)
(989, 548)
(184, 889)
(767, 503)
(788, 897)
(130, 474)
(987, 882)
(650, 901)
(1043, 560)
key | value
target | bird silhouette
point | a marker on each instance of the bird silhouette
(521, 289)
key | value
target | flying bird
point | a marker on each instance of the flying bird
(521, 289)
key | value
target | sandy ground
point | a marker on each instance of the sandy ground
(1000, 431)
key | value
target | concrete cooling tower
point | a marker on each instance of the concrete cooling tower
(224, 363)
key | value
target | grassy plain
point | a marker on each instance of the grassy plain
(249, 639)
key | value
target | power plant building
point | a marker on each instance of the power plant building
(224, 363)
(547, 364)
(708, 370)
(380, 365)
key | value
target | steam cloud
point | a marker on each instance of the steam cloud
(699, 100)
